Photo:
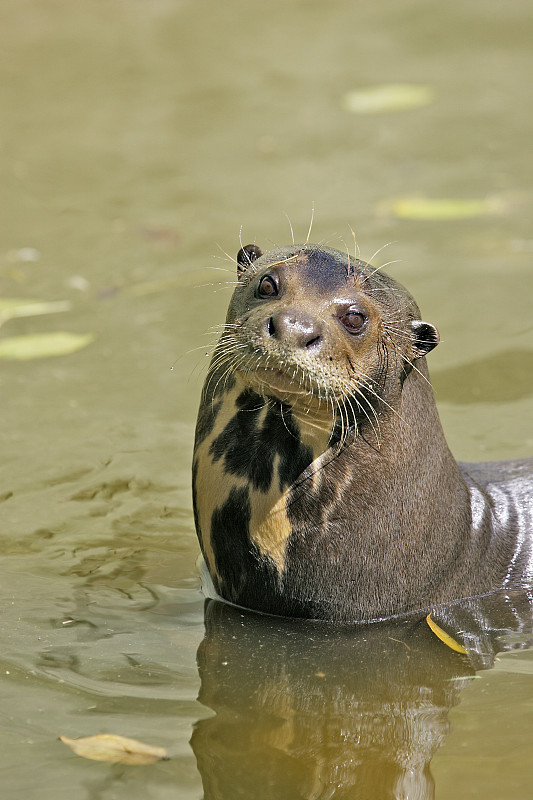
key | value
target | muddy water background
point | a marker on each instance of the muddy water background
(137, 138)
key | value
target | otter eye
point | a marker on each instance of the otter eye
(353, 321)
(267, 287)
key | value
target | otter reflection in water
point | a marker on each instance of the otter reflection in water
(318, 711)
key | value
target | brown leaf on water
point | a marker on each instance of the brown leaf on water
(445, 637)
(117, 749)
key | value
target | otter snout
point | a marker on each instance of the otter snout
(295, 328)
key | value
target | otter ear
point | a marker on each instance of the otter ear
(425, 338)
(245, 256)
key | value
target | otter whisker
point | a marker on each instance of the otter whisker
(222, 269)
(219, 329)
(224, 370)
(222, 360)
(220, 286)
(281, 407)
(290, 226)
(208, 346)
(230, 258)
(354, 414)
(352, 268)
(223, 352)
(357, 390)
(384, 289)
(405, 359)
(310, 224)
(398, 333)
(223, 376)
(369, 389)
(379, 250)
(226, 350)
(240, 238)
(345, 427)
(415, 368)
(378, 269)
(356, 250)
(340, 412)
(377, 432)
(327, 239)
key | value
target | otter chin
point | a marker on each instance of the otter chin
(323, 486)
(274, 382)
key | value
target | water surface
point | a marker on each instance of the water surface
(137, 139)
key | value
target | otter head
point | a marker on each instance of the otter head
(315, 328)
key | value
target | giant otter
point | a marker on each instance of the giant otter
(323, 486)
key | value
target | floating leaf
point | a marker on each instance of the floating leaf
(43, 345)
(422, 208)
(117, 749)
(11, 307)
(445, 637)
(387, 97)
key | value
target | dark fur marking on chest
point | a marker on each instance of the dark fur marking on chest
(195, 502)
(294, 456)
(246, 573)
(249, 449)
(206, 420)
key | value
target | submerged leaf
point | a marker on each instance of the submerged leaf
(11, 307)
(445, 637)
(423, 208)
(116, 749)
(43, 345)
(387, 97)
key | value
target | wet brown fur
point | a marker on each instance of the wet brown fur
(323, 485)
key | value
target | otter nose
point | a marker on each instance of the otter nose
(295, 328)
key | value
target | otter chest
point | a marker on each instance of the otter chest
(249, 453)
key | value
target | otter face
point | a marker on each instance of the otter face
(312, 327)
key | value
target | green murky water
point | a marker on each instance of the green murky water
(137, 138)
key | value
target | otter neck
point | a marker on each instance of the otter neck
(249, 452)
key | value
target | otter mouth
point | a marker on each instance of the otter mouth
(276, 382)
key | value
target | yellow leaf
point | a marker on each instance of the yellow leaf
(11, 307)
(43, 345)
(445, 637)
(423, 208)
(117, 749)
(387, 97)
